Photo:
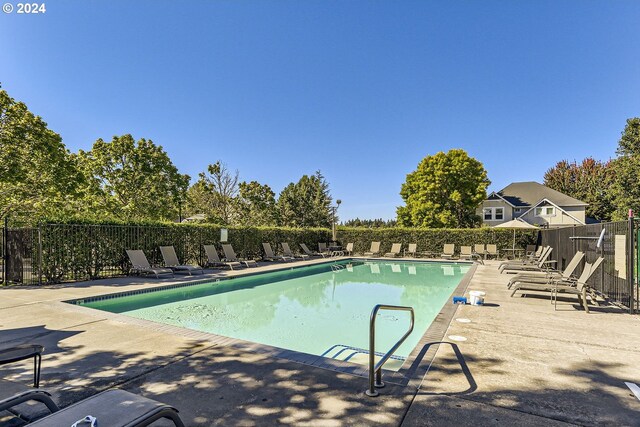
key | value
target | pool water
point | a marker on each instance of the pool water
(322, 309)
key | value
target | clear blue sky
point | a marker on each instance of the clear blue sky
(361, 90)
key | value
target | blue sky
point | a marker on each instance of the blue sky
(361, 90)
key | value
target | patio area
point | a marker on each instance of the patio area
(522, 363)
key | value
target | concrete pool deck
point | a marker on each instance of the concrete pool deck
(522, 363)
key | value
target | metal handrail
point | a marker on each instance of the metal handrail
(375, 369)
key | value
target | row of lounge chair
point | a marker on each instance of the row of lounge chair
(477, 252)
(172, 265)
(536, 274)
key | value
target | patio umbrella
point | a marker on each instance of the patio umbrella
(515, 224)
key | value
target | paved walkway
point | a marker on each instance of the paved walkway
(522, 363)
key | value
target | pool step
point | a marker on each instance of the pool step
(359, 355)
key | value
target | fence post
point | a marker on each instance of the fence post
(5, 247)
(39, 256)
(630, 261)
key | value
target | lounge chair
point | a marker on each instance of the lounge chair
(448, 251)
(230, 256)
(526, 264)
(269, 255)
(492, 250)
(13, 394)
(411, 250)
(306, 250)
(113, 408)
(374, 250)
(213, 259)
(565, 285)
(171, 261)
(480, 249)
(549, 275)
(532, 252)
(543, 265)
(578, 287)
(465, 252)
(323, 249)
(395, 250)
(286, 250)
(141, 264)
(349, 249)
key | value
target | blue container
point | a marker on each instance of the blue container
(459, 300)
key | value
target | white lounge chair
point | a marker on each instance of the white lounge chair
(411, 250)
(348, 250)
(374, 250)
(448, 251)
(230, 256)
(141, 264)
(171, 261)
(492, 250)
(213, 259)
(395, 250)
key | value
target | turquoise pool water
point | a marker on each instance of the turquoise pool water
(320, 310)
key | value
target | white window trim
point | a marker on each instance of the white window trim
(544, 209)
(493, 213)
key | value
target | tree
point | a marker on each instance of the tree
(257, 204)
(132, 180)
(371, 223)
(215, 195)
(306, 203)
(625, 188)
(38, 176)
(444, 192)
(589, 181)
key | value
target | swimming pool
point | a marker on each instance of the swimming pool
(321, 309)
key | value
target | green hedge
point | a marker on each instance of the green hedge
(70, 252)
(89, 251)
(433, 239)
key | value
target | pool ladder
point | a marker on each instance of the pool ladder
(375, 369)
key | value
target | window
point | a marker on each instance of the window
(545, 211)
(493, 214)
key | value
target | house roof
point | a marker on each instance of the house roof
(530, 193)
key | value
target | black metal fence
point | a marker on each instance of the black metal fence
(53, 253)
(616, 278)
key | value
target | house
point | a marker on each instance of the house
(533, 203)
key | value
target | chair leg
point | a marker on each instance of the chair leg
(37, 362)
(584, 300)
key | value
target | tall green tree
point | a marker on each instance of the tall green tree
(257, 204)
(306, 203)
(626, 170)
(444, 192)
(131, 180)
(38, 176)
(215, 194)
(589, 181)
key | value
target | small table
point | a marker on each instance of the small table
(22, 352)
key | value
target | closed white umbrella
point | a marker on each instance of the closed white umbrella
(516, 224)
